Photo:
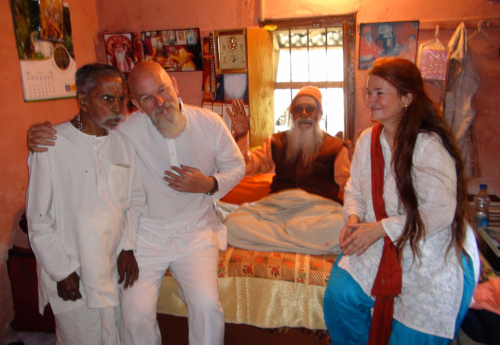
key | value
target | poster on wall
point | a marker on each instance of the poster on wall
(120, 51)
(175, 50)
(45, 49)
(51, 20)
(395, 39)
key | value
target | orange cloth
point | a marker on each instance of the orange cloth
(366, 49)
(251, 188)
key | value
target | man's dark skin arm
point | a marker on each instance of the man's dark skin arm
(41, 134)
(128, 269)
(69, 288)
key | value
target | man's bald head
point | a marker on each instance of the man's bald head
(145, 74)
(155, 94)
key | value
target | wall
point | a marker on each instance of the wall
(15, 118)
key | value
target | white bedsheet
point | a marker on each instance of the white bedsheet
(290, 221)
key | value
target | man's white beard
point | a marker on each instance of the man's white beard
(120, 57)
(171, 125)
(304, 142)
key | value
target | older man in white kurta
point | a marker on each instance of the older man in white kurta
(84, 199)
(180, 230)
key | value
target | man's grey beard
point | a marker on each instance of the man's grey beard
(306, 143)
(171, 125)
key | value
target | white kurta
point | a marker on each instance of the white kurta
(176, 223)
(433, 286)
(83, 202)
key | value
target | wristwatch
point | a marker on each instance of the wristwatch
(216, 186)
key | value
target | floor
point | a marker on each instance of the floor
(11, 337)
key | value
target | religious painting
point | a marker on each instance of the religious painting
(181, 37)
(120, 51)
(51, 20)
(395, 39)
(175, 50)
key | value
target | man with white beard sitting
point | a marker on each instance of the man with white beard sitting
(305, 158)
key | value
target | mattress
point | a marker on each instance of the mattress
(264, 289)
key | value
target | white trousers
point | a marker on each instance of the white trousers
(196, 275)
(88, 326)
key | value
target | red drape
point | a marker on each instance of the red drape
(388, 281)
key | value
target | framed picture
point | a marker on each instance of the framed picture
(51, 20)
(395, 39)
(175, 50)
(170, 37)
(181, 37)
(230, 51)
(120, 51)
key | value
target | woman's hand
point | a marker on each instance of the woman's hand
(347, 230)
(358, 237)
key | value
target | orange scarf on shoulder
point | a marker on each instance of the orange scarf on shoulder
(389, 277)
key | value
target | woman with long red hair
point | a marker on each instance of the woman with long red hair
(408, 250)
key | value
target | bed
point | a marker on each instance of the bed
(263, 289)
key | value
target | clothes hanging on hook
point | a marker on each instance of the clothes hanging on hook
(432, 58)
(462, 83)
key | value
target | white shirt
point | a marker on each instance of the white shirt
(83, 202)
(433, 286)
(177, 222)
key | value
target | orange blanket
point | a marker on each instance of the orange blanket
(250, 189)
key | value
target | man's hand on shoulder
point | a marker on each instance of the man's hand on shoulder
(128, 270)
(239, 119)
(41, 134)
(69, 288)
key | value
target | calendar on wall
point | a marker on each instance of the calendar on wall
(45, 49)
(47, 80)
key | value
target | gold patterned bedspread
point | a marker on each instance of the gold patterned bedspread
(264, 289)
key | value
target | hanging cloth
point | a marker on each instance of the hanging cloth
(432, 57)
(389, 279)
(462, 83)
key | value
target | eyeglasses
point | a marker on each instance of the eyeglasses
(310, 110)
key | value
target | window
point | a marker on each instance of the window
(315, 51)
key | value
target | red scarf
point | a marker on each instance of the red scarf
(388, 281)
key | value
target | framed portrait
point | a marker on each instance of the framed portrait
(120, 51)
(181, 37)
(51, 20)
(170, 37)
(230, 51)
(394, 39)
(175, 50)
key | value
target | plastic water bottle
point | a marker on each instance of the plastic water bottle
(481, 204)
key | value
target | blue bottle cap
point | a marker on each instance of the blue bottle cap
(483, 186)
